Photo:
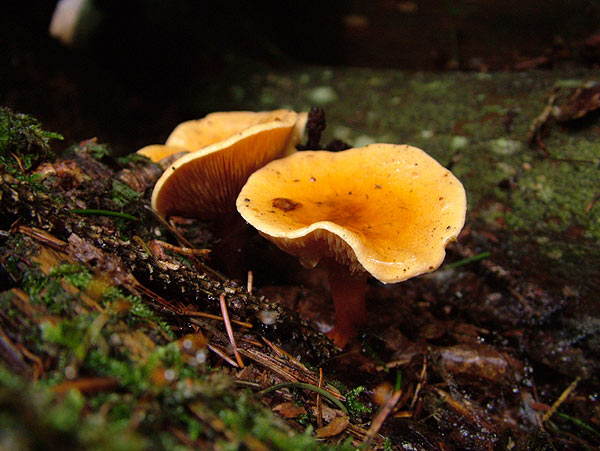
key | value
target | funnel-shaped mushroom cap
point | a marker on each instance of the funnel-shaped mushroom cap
(386, 209)
(196, 134)
(215, 127)
(204, 183)
(157, 152)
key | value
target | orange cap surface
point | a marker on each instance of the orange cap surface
(157, 152)
(205, 183)
(389, 210)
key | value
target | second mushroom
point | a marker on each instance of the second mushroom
(203, 184)
(382, 210)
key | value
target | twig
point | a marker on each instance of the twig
(592, 202)
(97, 212)
(221, 354)
(314, 388)
(420, 384)
(320, 401)
(182, 250)
(466, 261)
(268, 362)
(579, 423)
(282, 353)
(41, 235)
(211, 316)
(38, 364)
(18, 162)
(561, 399)
(380, 418)
(229, 330)
(142, 244)
(87, 385)
(10, 353)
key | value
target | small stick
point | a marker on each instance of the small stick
(87, 385)
(561, 399)
(182, 250)
(258, 344)
(221, 354)
(100, 212)
(305, 386)
(591, 204)
(18, 162)
(282, 353)
(466, 261)
(40, 235)
(380, 418)
(420, 384)
(250, 282)
(38, 364)
(211, 316)
(320, 401)
(229, 330)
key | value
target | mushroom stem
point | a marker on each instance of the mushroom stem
(348, 293)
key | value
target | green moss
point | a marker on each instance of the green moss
(97, 150)
(27, 407)
(71, 336)
(48, 291)
(22, 138)
(355, 407)
(123, 194)
(77, 275)
(121, 368)
(134, 158)
(139, 311)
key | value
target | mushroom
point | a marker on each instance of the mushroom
(197, 134)
(157, 152)
(382, 210)
(204, 184)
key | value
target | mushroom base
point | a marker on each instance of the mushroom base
(348, 293)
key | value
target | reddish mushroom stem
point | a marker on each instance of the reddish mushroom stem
(348, 293)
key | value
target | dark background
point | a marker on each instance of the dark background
(147, 63)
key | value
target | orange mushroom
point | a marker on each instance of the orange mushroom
(157, 152)
(197, 134)
(204, 184)
(382, 210)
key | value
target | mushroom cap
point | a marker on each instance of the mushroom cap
(204, 184)
(157, 152)
(215, 127)
(389, 210)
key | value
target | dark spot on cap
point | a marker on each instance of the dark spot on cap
(285, 204)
